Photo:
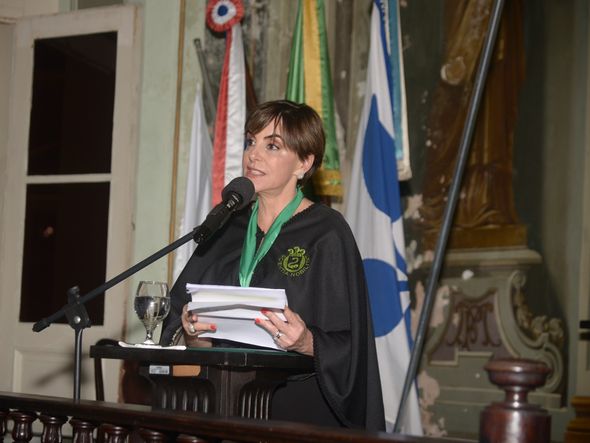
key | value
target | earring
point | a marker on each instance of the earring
(299, 176)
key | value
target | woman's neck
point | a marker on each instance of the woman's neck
(268, 211)
(270, 206)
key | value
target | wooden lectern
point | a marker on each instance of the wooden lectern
(228, 382)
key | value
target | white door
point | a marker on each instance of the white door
(42, 363)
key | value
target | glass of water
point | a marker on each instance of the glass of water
(152, 305)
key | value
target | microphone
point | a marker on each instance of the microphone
(235, 196)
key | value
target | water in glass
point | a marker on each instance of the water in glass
(152, 305)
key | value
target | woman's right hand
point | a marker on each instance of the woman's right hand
(192, 327)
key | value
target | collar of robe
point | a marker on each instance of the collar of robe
(250, 256)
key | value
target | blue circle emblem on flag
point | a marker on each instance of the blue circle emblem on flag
(223, 14)
(380, 165)
(383, 295)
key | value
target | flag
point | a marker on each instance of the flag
(398, 93)
(374, 214)
(228, 146)
(310, 82)
(198, 184)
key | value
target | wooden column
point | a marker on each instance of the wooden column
(23, 425)
(114, 433)
(82, 431)
(151, 436)
(52, 428)
(185, 438)
(3, 417)
(515, 420)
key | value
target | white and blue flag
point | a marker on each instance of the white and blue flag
(374, 214)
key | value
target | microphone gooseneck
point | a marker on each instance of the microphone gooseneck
(235, 196)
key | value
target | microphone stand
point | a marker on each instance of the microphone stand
(75, 310)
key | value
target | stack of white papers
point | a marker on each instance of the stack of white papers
(233, 310)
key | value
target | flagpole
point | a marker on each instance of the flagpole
(463, 155)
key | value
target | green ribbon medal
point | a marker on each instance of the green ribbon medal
(250, 257)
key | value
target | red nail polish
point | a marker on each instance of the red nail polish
(264, 311)
(257, 321)
(213, 328)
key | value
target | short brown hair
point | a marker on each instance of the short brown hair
(301, 129)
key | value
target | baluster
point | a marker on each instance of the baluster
(52, 428)
(113, 433)
(23, 425)
(515, 420)
(150, 436)
(82, 431)
(184, 438)
(3, 416)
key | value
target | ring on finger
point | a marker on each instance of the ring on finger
(277, 335)
(191, 328)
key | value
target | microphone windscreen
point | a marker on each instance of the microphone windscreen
(241, 186)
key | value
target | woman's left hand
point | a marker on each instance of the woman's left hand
(291, 335)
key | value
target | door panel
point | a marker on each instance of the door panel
(42, 363)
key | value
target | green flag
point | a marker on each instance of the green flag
(310, 82)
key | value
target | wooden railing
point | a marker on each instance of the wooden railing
(115, 422)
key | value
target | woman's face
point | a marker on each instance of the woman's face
(270, 164)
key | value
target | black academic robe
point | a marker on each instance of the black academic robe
(316, 260)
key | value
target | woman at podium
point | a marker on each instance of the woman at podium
(284, 240)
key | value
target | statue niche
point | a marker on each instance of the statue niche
(485, 215)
